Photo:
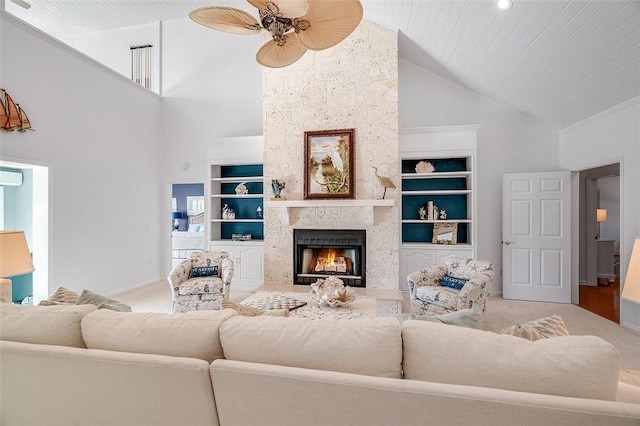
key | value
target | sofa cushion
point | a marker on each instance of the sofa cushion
(552, 326)
(44, 325)
(190, 334)
(101, 302)
(370, 346)
(577, 366)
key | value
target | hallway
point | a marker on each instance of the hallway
(603, 300)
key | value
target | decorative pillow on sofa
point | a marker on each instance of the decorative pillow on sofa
(453, 282)
(542, 328)
(204, 271)
(470, 318)
(101, 302)
(61, 296)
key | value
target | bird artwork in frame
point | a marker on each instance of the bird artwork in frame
(329, 167)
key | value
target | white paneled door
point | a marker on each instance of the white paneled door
(536, 236)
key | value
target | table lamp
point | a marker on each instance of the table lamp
(15, 259)
(601, 216)
(631, 289)
(176, 220)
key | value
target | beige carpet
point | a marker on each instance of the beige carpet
(500, 314)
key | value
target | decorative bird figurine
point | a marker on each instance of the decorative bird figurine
(384, 181)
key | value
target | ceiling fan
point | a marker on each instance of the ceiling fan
(294, 25)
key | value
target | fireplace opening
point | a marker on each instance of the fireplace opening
(320, 253)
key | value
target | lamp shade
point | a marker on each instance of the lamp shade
(601, 215)
(631, 289)
(176, 215)
(15, 258)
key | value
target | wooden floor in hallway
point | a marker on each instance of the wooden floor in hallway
(603, 300)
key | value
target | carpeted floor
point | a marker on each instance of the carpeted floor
(499, 315)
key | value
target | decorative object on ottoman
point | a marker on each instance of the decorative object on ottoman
(333, 292)
(430, 296)
(552, 326)
(250, 311)
(275, 301)
(203, 292)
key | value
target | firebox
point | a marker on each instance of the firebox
(319, 253)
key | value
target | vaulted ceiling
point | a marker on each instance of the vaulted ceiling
(559, 61)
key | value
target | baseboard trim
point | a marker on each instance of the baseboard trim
(631, 327)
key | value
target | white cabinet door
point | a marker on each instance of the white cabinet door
(413, 259)
(248, 262)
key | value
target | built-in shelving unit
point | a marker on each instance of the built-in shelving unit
(450, 186)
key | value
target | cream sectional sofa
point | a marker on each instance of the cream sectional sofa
(63, 365)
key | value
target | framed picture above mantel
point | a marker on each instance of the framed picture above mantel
(329, 164)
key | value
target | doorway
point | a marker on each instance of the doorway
(25, 207)
(599, 240)
(187, 220)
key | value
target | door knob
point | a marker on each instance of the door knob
(507, 242)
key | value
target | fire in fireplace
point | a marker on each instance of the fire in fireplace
(319, 253)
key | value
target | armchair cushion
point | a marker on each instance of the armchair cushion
(453, 282)
(444, 297)
(200, 285)
(204, 271)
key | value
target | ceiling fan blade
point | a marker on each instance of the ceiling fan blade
(227, 19)
(331, 22)
(287, 8)
(273, 56)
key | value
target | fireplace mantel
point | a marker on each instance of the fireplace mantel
(367, 205)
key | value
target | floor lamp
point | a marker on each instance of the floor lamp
(15, 259)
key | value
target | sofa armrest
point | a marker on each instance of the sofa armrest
(432, 275)
(226, 274)
(628, 393)
(476, 291)
(178, 275)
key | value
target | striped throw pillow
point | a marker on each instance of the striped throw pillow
(542, 328)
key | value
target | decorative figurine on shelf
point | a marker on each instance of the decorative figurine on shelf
(430, 210)
(423, 213)
(277, 188)
(424, 167)
(225, 212)
(435, 212)
(259, 213)
(231, 215)
(242, 189)
(443, 214)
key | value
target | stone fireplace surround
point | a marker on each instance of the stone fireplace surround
(351, 85)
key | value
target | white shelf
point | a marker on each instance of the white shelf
(238, 179)
(436, 221)
(367, 205)
(439, 192)
(237, 220)
(236, 195)
(435, 175)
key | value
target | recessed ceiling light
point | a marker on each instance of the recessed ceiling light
(504, 4)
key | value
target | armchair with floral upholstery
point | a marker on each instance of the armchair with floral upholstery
(201, 282)
(458, 283)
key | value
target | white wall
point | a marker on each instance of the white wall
(112, 48)
(610, 138)
(507, 143)
(99, 135)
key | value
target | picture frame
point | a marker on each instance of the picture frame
(329, 170)
(445, 233)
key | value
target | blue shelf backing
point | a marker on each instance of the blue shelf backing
(423, 233)
(409, 184)
(440, 164)
(245, 208)
(455, 205)
(242, 170)
(253, 228)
